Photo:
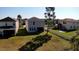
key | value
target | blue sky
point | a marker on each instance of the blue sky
(27, 12)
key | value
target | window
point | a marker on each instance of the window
(64, 22)
(74, 27)
(70, 26)
(33, 23)
(13, 24)
(34, 28)
(30, 29)
(0, 32)
(77, 27)
(5, 24)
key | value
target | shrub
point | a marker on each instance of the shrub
(35, 43)
(21, 32)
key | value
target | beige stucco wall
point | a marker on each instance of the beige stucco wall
(17, 26)
(26, 24)
(38, 23)
(68, 25)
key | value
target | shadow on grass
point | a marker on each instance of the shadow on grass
(5, 37)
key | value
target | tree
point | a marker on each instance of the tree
(75, 42)
(50, 16)
(76, 45)
(19, 17)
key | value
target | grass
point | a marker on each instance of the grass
(55, 44)
(71, 33)
(35, 43)
(77, 38)
(65, 34)
(14, 43)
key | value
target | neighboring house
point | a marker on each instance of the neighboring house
(68, 24)
(8, 26)
(34, 24)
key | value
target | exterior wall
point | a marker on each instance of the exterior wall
(17, 26)
(33, 24)
(1, 32)
(26, 24)
(8, 23)
(70, 25)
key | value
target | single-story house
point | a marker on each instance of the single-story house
(34, 24)
(8, 26)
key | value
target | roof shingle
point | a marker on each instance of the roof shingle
(7, 19)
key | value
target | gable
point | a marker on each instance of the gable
(8, 19)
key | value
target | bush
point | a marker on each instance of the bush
(21, 32)
(28, 47)
(35, 43)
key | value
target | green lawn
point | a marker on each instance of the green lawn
(77, 38)
(14, 43)
(55, 44)
(65, 34)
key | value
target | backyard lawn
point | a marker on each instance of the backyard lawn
(55, 44)
(14, 43)
(71, 33)
(67, 35)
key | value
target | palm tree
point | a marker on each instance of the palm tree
(50, 16)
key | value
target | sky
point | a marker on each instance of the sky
(28, 12)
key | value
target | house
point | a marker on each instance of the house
(8, 26)
(34, 24)
(68, 24)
